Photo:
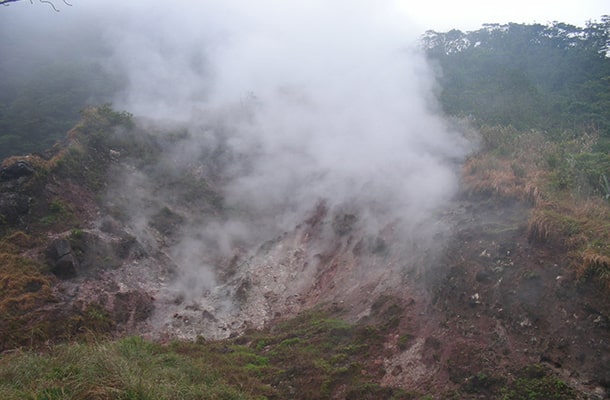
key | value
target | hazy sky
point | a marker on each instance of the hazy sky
(443, 15)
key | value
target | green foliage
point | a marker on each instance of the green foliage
(127, 369)
(58, 211)
(115, 118)
(76, 235)
(166, 221)
(101, 133)
(553, 77)
(94, 319)
(582, 173)
(535, 383)
(591, 170)
(482, 383)
(530, 275)
(373, 391)
(311, 356)
(605, 187)
(404, 341)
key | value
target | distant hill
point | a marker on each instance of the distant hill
(551, 77)
(37, 108)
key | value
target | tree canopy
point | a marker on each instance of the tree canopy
(549, 77)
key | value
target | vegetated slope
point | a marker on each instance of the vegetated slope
(45, 83)
(547, 87)
(493, 307)
(107, 234)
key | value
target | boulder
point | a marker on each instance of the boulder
(61, 259)
(66, 267)
(17, 170)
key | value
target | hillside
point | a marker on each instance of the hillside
(548, 77)
(130, 270)
(499, 309)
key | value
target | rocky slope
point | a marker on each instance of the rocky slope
(468, 309)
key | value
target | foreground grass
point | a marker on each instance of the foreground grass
(126, 369)
(311, 356)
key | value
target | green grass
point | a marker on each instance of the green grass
(535, 383)
(127, 369)
(310, 357)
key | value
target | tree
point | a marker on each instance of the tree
(550, 77)
(7, 2)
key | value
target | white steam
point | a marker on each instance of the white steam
(322, 100)
(310, 101)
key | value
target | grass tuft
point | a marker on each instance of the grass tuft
(563, 180)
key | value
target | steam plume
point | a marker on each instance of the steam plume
(320, 100)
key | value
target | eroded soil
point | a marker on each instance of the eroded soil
(476, 301)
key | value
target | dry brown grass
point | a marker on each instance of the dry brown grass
(514, 165)
(488, 174)
(516, 175)
(40, 164)
(540, 227)
(53, 156)
(595, 265)
(23, 284)
(510, 164)
(593, 244)
(20, 240)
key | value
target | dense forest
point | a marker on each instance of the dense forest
(552, 77)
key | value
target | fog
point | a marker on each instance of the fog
(315, 101)
(327, 101)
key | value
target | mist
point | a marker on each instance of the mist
(325, 101)
(312, 102)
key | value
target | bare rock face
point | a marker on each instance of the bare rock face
(15, 171)
(61, 259)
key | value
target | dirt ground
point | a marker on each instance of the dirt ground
(497, 302)
(477, 297)
(487, 302)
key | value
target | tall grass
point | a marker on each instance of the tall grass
(127, 369)
(309, 357)
(564, 182)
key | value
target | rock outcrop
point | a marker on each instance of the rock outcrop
(16, 170)
(61, 259)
